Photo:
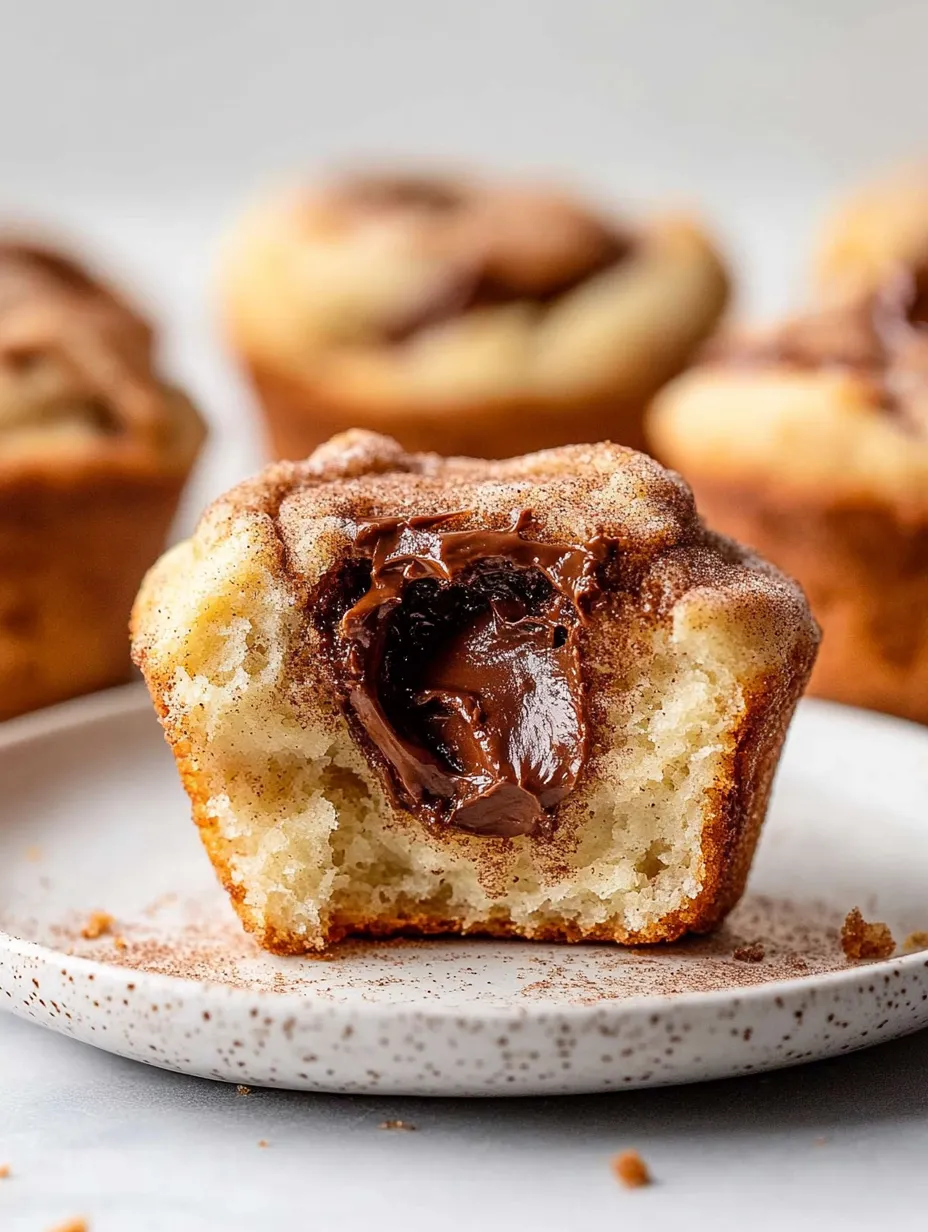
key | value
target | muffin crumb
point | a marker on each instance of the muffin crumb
(754, 952)
(98, 924)
(4, 1171)
(241, 1089)
(631, 1170)
(397, 1124)
(915, 941)
(72, 1225)
(263, 1142)
(860, 939)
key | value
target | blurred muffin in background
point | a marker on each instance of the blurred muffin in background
(873, 234)
(461, 316)
(94, 451)
(810, 443)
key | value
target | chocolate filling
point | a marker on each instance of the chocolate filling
(460, 661)
(478, 279)
(471, 285)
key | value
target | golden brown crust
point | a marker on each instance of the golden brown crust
(300, 418)
(872, 233)
(865, 571)
(676, 574)
(512, 320)
(94, 453)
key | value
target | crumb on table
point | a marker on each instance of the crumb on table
(98, 924)
(915, 941)
(751, 953)
(241, 1089)
(631, 1170)
(861, 939)
(397, 1124)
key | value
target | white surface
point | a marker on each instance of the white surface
(92, 816)
(140, 1150)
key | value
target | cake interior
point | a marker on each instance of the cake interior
(314, 848)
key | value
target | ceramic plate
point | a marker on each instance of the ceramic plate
(92, 820)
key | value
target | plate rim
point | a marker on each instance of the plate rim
(133, 698)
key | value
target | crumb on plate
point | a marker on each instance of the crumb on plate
(262, 1142)
(98, 924)
(631, 1170)
(915, 941)
(4, 1171)
(397, 1124)
(754, 952)
(862, 939)
(72, 1225)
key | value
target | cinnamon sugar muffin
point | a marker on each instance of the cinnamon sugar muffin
(528, 698)
(873, 233)
(810, 443)
(94, 452)
(461, 316)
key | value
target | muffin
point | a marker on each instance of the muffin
(810, 443)
(872, 234)
(94, 452)
(460, 316)
(531, 698)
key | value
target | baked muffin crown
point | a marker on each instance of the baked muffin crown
(832, 400)
(78, 380)
(405, 291)
(876, 232)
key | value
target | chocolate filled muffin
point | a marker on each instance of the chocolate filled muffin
(462, 316)
(94, 452)
(530, 698)
(810, 443)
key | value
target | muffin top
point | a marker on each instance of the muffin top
(78, 382)
(832, 404)
(872, 234)
(401, 288)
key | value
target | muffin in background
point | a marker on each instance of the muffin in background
(809, 442)
(461, 316)
(874, 234)
(94, 452)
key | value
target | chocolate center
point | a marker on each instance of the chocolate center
(461, 663)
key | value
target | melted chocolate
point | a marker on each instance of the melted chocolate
(461, 663)
(471, 285)
(478, 277)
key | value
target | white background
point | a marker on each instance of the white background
(139, 129)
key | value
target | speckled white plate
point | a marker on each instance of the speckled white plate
(92, 819)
